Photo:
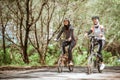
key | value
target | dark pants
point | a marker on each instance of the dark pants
(100, 46)
(71, 44)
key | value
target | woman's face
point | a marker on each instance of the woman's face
(95, 21)
(65, 22)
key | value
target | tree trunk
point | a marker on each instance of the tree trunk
(3, 40)
(41, 57)
(26, 59)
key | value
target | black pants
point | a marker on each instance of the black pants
(100, 46)
(71, 44)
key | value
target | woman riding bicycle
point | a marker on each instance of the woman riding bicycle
(98, 32)
(68, 31)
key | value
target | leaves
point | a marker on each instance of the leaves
(47, 21)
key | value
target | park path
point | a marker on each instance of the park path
(50, 73)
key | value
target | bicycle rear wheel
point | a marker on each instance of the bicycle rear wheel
(98, 63)
(70, 67)
(98, 67)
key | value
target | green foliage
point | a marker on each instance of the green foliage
(34, 59)
(5, 58)
(110, 60)
(80, 13)
(80, 59)
(52, 55)
(17, 59)
(51, 59)
(30, 49)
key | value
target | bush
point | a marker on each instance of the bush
(80, 59)
(5, 58)
(34, 59)
(52, 55)
(17, 59)
(109, 59)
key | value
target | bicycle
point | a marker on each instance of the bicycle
(94, 57)
(63, 62)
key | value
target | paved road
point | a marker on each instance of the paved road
(79, 73)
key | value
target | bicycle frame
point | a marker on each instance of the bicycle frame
(93, 59)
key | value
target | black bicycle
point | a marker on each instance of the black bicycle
(94, 57)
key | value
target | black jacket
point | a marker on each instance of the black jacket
(68, 32)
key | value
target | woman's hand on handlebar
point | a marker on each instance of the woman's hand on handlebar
(55, 39)
(86, 35)
(69, 39)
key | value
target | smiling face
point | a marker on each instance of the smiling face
(95, 21)
(66, 22)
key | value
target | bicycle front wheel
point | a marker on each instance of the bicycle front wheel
(60, 65)
(90, 64)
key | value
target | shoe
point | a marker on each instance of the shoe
(118, 60)
(102, 66)
(71, 63)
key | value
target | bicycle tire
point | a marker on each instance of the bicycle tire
(88, 70)
(70, 67)
(90, 64)
(60, 66)
(98, 67)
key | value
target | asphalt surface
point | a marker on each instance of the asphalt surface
(50, 73)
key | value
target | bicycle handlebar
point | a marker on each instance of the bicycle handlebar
(92, 36)
(60, 40)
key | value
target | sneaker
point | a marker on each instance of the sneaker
(71, 63)
(102, 66)
(118, 60)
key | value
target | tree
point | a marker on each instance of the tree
(4, 18)
(41, 42)
(24, 20)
